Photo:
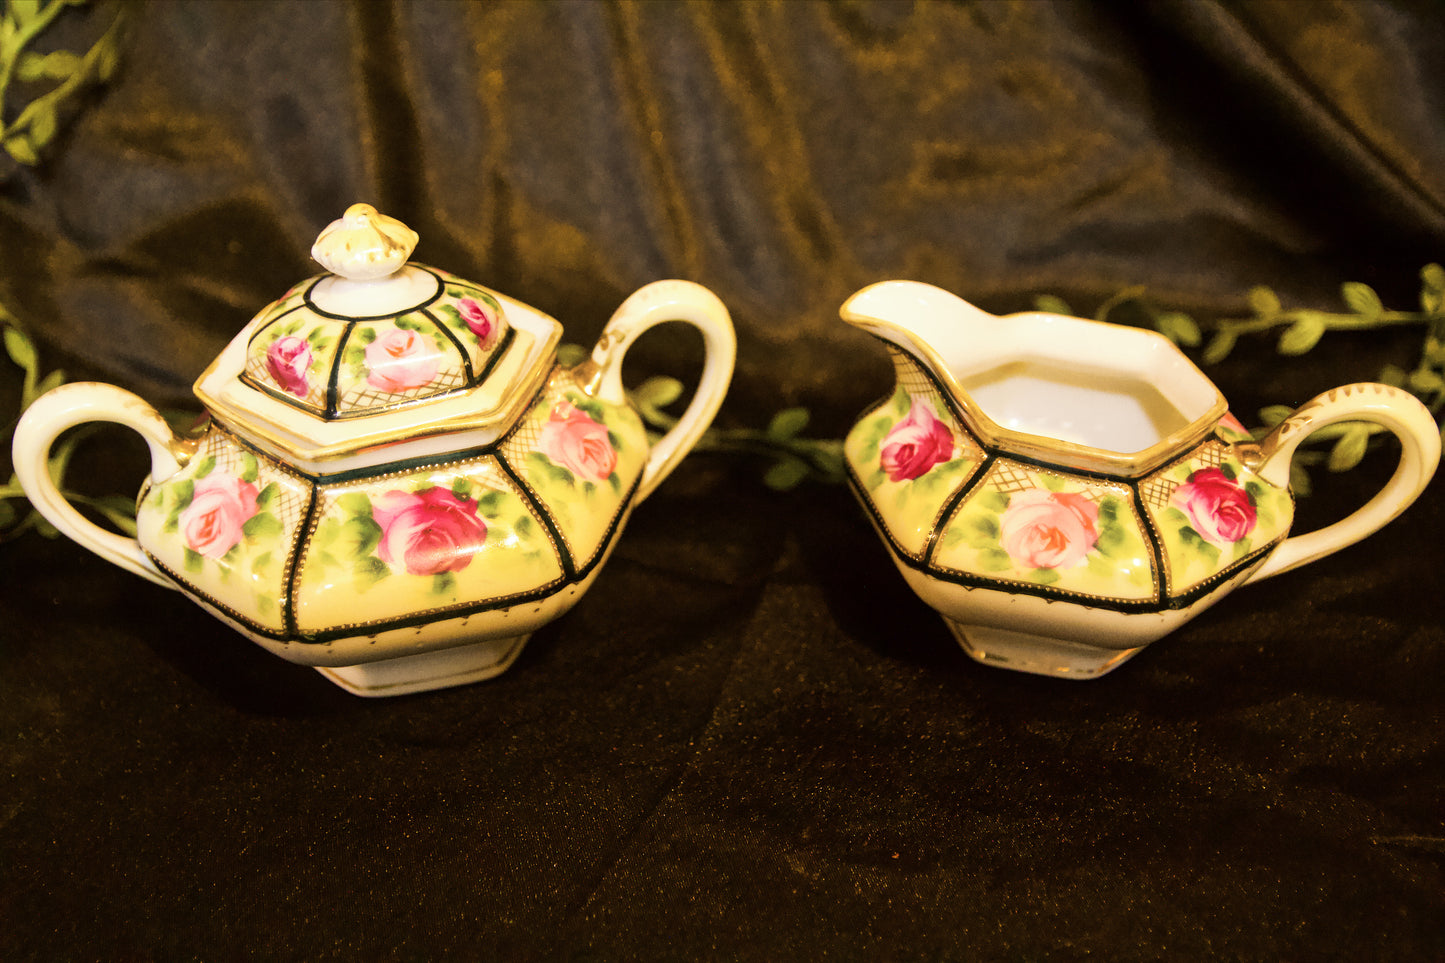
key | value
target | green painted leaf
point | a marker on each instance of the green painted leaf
(358, 537)
(262, 525)
(261, 564)
(1044, 576)
(489, 502)
(541, 463)
(444, 583)
(194, 561)
(182, 492)
(250, 469)
(524, 526)
(616, 482)
(367, 571)
(1053, 483)
(204, 467)
(994, 501)
(1112, 541)
(982, 531)
(462, 488)
(994, 560)
(267, 495)
(355, 504)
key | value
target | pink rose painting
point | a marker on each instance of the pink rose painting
(1218, 508)
(428, 532)
(220, 505)
(573, 439)
(479, 317)
(401, 359)
(1043, 529)
(289, 359)
(915, 444)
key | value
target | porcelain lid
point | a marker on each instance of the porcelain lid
(378, 350)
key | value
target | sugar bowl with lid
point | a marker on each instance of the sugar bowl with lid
(398, 482)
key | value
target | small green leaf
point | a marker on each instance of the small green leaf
(194, 560)
(250, 468)
(1362, 299)
(20, 147)
(658, 392)
(787, 423)
(1053, 305)
(1178, 327)
(1426, 380)
(51, 381)
(42, 122)
(443, 583)
(1299, 479)
(523, 526)
(21, 349)
(57, 65)
(1303, 335)
(204, 467)
(1274, 414)
(1263, 301)
(1432, 292)
(24, 11)
(1392, 375)
(462, 488)
(569, 355)
(786, 474)
(1219, 347)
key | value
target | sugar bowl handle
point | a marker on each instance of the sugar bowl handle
(76, 404)
(655, 304)
(1397, 411)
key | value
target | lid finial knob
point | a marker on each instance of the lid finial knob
(364, 244)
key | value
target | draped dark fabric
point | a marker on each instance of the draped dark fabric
(750, 740)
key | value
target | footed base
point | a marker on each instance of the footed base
(441, 669)
(1036, 653)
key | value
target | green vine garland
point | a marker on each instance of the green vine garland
(54, 78)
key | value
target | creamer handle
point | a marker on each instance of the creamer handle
(76, 404)
(654, 304)
(1397, 411)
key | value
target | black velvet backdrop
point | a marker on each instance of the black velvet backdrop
(749, 741)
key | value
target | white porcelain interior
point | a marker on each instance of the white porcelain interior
(1106, 387)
